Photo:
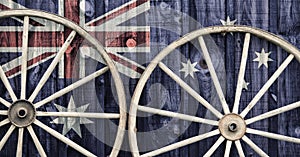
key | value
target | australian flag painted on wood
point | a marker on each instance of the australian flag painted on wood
(133, 32)
(114, 25)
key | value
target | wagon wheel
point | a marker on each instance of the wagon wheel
(23, 112)
(232, 127)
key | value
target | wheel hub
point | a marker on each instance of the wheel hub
(21, 113)
(232, 127)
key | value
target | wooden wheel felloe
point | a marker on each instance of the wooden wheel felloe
(233, 125)
(23, 111)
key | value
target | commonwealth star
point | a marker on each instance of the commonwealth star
(71, 122)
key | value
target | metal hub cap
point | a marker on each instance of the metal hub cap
(21, 113)
(232, 127)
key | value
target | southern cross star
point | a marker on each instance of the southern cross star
(228, 22)
(71, 122)
(245, 85)
(262, 58)
(189, 68)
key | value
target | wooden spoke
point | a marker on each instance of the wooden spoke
(6, 136)
(267, 85)
(36, 141)
(273, 136)
(213, 74)
(24, 57)
(5, 103)
(72, 87)
(214, 147)
(20, 142)
(239, 148)
(79, 114)
(7, 85)
(52, 66)
(228, 147)
(3, 122)
(273, 112)
(190, 90)
(181, 143)
(3, 112)
(177, 115)
(254, 146)
(241, 75)
(64, 139)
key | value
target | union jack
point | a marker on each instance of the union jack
(107, 27)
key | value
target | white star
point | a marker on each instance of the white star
(228, 22)
(262, 58)
(71, 122)
(245, 85)
(189, 68)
